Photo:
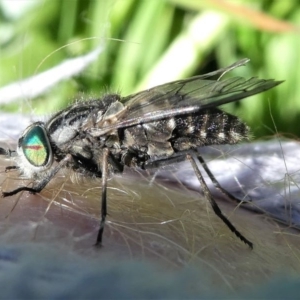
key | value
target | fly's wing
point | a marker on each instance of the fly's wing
(188, 96)
(197, 84)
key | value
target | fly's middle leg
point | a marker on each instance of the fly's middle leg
(104, 195)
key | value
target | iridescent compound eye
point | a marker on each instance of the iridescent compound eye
(35, 146)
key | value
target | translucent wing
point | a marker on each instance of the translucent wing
(188, 95)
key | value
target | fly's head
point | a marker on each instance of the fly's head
(34, 151)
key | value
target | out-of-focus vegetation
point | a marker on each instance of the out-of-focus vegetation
(160, 41)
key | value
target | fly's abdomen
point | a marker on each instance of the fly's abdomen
(208, 127)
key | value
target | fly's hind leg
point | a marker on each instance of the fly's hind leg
(213, 203)
(180, 157)
(215, 181)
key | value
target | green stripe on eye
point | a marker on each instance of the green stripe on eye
(35, 146)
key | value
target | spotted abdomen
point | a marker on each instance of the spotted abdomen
(207, 127)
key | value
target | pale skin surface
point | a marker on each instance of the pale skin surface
(166, 224)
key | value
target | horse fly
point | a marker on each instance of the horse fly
(153, 128)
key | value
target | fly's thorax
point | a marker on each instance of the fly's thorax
(63, 135)
(81, 116)
(34, 151)
(102, 126)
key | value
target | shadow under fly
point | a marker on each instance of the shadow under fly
(153, 128)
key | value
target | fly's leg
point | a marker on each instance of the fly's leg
(41, 184)
(182, 157)
(9, 168)
(213, 203)
(215, 181)
(155, 164)
(9, 153)
(104, 196)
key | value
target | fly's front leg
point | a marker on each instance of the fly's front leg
(104, 195)
(39, 186)
(213, 203)
(9, 153)
(9, 168)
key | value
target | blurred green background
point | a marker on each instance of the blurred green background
(159, 41)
